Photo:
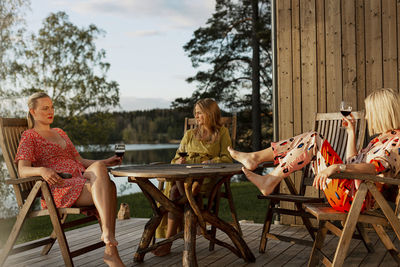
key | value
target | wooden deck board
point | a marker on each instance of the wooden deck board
(277, 253)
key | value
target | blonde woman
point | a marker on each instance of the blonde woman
(45, 151)
(381, 156)
(207, 143)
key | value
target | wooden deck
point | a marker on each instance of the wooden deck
(277, 253)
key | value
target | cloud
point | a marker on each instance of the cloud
(144, 33)
(179, 13)
(129, 103)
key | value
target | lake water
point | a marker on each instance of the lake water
(134, 154)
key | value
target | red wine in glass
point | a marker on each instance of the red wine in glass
(345, 109)
(345, 113)
(119, 150)
(182, 154)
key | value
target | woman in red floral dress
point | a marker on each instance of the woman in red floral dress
(380, 157)
(45, 151)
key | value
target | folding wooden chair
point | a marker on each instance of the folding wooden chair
(326, 214)
(213, 205)
(327, 124)
(26, 191)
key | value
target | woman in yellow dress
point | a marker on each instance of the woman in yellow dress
(207, 143)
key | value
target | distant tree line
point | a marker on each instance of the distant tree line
(150, 126)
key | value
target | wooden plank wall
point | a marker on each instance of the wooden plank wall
(329, 51)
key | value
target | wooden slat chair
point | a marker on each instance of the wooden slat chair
(380, 220)
(327, 124)
(26, 191)
(230, 123)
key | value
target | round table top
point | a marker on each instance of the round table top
(177, 170)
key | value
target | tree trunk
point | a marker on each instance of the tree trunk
(255, 103)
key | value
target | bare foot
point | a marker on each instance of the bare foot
(111, 241)
(247, 159)
(265, 184)
(162, 250)
(111, 257)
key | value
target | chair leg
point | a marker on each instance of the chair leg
(318, 243)
(55, 220)
(266, 227)
(365, 238)
(349, 226)
(46, 249)
(213, 231)
(387, 242)
(306, 221)
(21, 217)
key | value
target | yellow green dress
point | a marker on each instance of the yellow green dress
(199, 151)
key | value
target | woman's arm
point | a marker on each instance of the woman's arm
(365, 168)
(224, 155)
(111, 161)
(25, 169)
(351, 149)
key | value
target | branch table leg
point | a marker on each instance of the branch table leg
(189, 252)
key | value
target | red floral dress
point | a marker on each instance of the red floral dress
(43, 153)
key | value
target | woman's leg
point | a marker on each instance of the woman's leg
(292, 154)
(172, 227)
(101, 192)
(251, 160)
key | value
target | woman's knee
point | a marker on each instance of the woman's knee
(99, 166)
(97, 170)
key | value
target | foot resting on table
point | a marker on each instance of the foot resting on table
(247, 159)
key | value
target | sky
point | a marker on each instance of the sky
(144, 43)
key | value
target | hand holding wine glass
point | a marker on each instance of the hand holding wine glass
(119, 150)
(345, 109)
(182, 152)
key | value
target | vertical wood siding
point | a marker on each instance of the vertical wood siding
(329, 51)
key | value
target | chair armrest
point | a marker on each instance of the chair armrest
(24, 180)
(367, 177)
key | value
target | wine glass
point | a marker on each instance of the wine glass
(182, 152)
(345, 109)
(119, 150)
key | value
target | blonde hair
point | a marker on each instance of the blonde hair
(382, 110)
(32, 101)
(212, 119)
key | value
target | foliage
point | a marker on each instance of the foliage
(6, 194)
(11, 31)
(222, 52)
(63, 61)
(150, 126)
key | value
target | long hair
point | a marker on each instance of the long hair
(32, 101)
(382, 110)
(212, 119)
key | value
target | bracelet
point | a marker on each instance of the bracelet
(342, 167)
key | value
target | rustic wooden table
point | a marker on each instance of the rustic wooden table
(188, 207)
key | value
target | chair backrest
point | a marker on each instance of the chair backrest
(11, 130)
(228, 122)
(328, 124)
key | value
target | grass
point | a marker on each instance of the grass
(248, 207)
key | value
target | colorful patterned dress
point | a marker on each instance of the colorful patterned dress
(43, 153)
(294, 153)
